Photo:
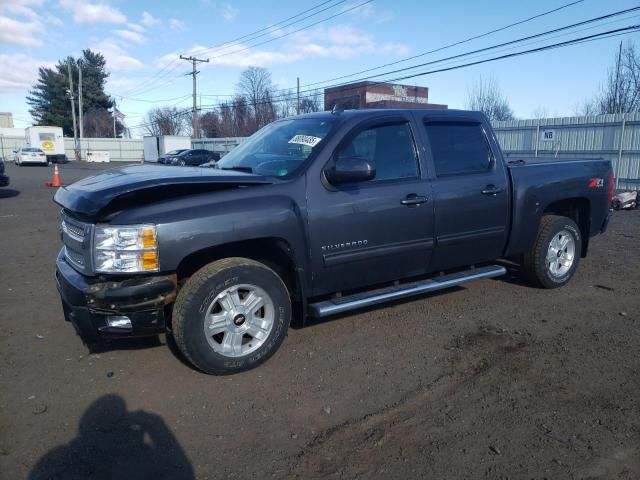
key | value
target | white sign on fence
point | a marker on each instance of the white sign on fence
(548, 135)
(98, 156)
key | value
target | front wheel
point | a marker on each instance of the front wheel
(554, 256)
(231, 316)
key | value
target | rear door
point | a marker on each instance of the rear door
(471, 192)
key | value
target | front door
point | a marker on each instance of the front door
(378, 230)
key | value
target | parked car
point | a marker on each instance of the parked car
(26, 155)
(626, 201)
(167, 157)
(194, 157)
(318, 214)
(4, 178)
(211, 164)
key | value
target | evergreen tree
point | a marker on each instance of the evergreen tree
(49, 99)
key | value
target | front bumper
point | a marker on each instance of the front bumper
(88, 302)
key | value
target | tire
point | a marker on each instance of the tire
(214, 328)
(554, 231)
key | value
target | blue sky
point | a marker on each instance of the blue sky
(142, 40)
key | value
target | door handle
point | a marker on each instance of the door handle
(491, 190)
(413, 199)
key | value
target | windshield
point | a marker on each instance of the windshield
(175, 152)
(280, 148)
(37, 150)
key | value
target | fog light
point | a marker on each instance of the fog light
(119, 321)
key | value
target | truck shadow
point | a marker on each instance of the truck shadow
(126, 344)
(113, 442)
(8, 193)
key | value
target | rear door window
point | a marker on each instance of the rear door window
(458, 148)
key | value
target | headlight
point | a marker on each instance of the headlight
(126, 249)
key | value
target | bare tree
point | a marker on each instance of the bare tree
(311, 103)
(210, 125)
(256, 86)
(167, 121)
(621, 90)
(541, 112)
(485, 96)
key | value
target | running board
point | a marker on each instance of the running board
(373, 297)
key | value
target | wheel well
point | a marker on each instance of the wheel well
(273, 252)
(577, 209)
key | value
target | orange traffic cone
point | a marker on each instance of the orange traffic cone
(56, 178)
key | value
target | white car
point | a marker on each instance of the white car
(30, 155)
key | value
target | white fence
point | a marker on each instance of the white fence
(614, 137)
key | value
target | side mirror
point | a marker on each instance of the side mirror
(14, 151)
(350, 169)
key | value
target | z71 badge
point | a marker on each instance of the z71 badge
(596, 183)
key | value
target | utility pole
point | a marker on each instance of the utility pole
(298, 102)
(194, 61)
(115, 110)
(80, 99)
(616, 104)
(73, 111)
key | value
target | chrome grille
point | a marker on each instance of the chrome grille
(75, 258)
(73, 229)
(76, 236)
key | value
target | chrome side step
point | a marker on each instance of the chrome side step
(373, 297)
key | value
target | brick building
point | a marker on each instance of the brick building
(378, 95)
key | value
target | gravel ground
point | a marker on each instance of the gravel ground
(493, 380)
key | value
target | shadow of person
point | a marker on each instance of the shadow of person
(116, 444)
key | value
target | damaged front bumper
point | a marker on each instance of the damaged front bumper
(101, 309)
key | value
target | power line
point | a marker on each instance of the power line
(277, 24)
(585, 39)
(294, 31)
(453, 57)
(454, 44)
(490, 32)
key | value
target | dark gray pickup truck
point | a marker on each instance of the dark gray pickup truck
(313, 216)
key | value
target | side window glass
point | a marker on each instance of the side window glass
(389, 148)
(458, 148)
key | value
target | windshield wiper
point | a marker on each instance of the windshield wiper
(238, 169)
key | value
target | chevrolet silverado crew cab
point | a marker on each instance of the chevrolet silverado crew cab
(314, 216)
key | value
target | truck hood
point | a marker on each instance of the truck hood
(133, 185)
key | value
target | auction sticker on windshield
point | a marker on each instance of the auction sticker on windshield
(308, 140)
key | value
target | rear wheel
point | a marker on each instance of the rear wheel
(231, 316)
(554, 256)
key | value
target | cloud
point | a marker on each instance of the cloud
(84, 12)
(19, 33)
(136, 27)
(228, 12)
(176, 25)
(149, 20)
(117, 58)
(20, 71)
(130, 35)
(340, 42)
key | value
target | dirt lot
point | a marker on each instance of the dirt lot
(494, 380)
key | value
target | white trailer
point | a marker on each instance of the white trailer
(157, 145)
(49, 140)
